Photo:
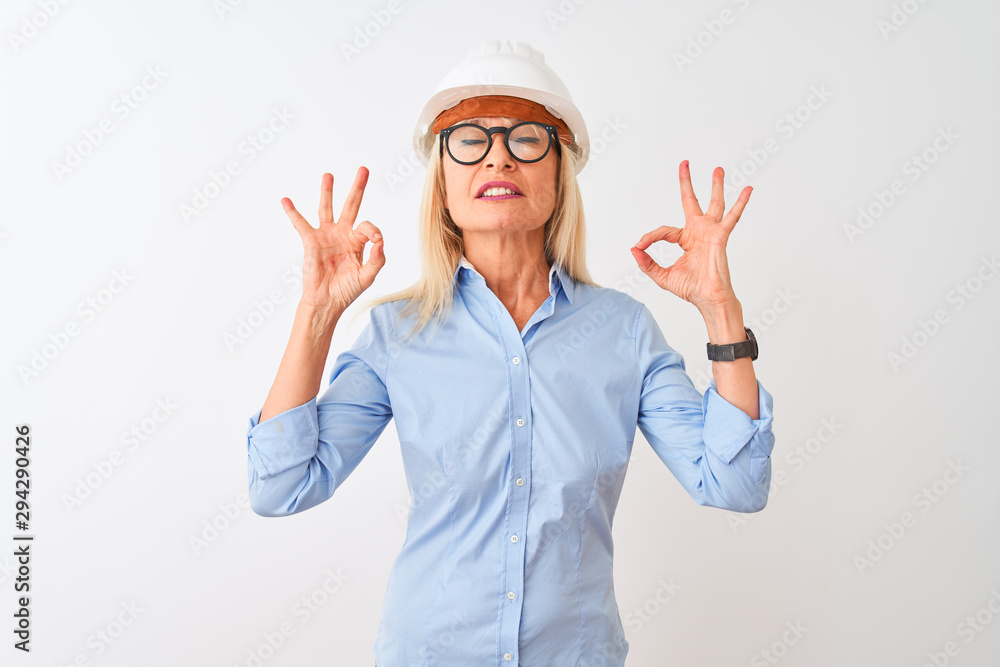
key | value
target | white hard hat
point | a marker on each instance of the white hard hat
(503, 68)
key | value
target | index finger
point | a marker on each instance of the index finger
(349, 213)
(688, 200)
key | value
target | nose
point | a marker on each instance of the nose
(498, 157)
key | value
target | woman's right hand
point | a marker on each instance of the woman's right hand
(333, 271)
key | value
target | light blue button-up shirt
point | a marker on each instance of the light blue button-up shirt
(515, 446)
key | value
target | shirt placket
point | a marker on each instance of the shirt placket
(520, 479)
(517, 493)
(515, 527)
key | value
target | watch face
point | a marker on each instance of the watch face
(753, 343)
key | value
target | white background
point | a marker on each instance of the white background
(828, 308)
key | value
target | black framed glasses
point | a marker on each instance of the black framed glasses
(526, 142)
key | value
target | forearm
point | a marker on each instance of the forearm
(301, 370)
(734, 380)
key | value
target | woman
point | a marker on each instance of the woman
(516, 383)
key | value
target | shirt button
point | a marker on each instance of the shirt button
(516, 360)
(520, 422)
(507, 656)
(513, 538)
(510, 595)
(519, 481)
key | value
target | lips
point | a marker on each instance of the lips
(498, 189)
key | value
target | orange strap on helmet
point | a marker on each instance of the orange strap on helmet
(486, 106)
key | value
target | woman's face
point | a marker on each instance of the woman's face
(535, 184)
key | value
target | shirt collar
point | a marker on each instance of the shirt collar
(558, 278)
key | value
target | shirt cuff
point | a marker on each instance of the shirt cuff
(728, 429)
(284, 441)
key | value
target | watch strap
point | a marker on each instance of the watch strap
(734, 351)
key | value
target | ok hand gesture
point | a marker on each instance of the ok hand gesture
(333, 271)
(701, 275)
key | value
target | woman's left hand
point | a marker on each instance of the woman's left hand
(701, 275)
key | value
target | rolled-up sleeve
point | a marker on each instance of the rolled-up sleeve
(718, 453)
(298, 458)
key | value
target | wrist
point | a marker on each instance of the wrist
(724, 322)
(318, 318)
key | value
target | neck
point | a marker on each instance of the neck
(513, 265)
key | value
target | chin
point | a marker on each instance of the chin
(498, 220)
(511, 223)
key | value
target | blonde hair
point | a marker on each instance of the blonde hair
(442, 245)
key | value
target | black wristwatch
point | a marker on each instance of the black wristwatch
(733, 351)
